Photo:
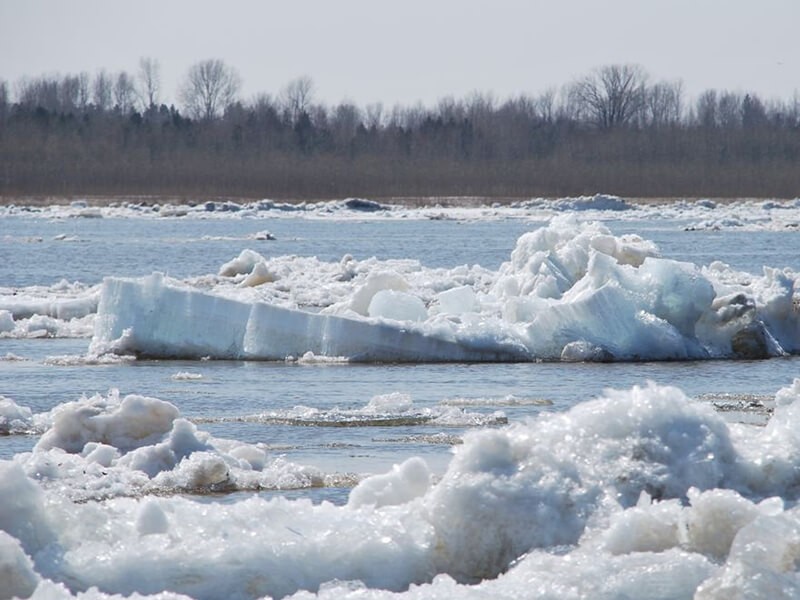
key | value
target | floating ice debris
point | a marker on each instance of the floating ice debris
(61, 310)
(243, 264)
(61, 301)
(571, 291)
(385, 410)
(187, 376)
(362, 204)
(600, 202)
(14, 418)
(110, 445)
(753, 214)
(263, 235)
(509, 400)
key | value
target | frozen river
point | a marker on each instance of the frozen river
(211, 475)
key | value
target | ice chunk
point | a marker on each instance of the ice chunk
(183, 440)
(197, 470)
(641, 493)
(102, 454)
(259, 275)
(680, 293)
(399, 306)
(571, 291)
(713, 521)
(537, 486)
(647, 527)
(17, 576)
(14, 418)
(158, 317)
(128, 423)
(596, 202)
(627, 249)
(153, 454)
(22, 511)
(762, 563)
(403, 483)
(242, 264)
(457, 301)
(583, 351)
(394, 402)
(362, 204)
(376, 282)
(63, 301)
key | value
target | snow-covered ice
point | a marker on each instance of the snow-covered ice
(640, 493)
(61, 310)
(702, 214)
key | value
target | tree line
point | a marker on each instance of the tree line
(612, 130)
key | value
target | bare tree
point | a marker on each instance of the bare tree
(39, 93)
(264, 105)
(611, 96)
(124, 92)
(570, 107)
(344, 122)
(663, 103)
(729, 110)
(4, 99)
(209, 87)
(68, 93)
(102, 90)
(84, 94)
(450, 109)
(480, 106)
(753, 111)
(374, 115)
(545, 105)
(297, 96)
(793, 109)
(149, 81)
(707, 109)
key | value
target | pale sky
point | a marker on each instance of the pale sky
(416, 50)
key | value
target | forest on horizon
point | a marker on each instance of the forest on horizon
(613, 130)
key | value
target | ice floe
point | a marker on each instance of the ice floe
(571, 291)
(695, 214)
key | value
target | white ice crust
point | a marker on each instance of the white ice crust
(61, 310)
(703, 214)
(570, 291)
(641, 493)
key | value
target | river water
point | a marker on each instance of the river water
(223, 396)
(322, 478)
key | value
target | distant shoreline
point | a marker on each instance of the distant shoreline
(410, 201)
